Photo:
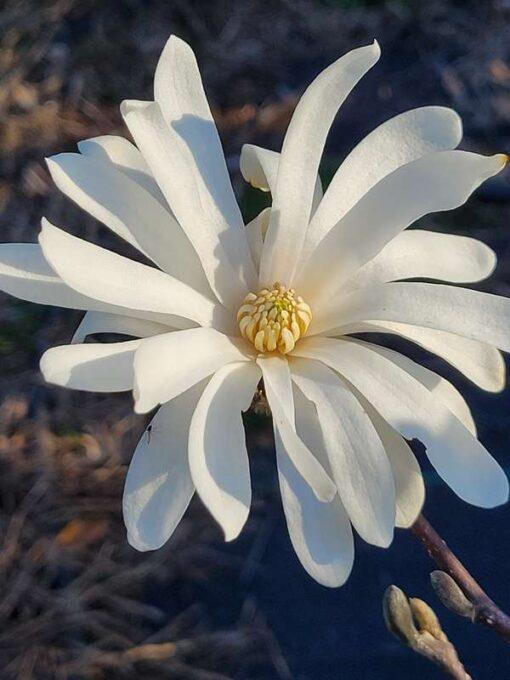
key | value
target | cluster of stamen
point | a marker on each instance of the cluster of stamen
(274, 319)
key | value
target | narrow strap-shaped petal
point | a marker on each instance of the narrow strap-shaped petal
(414, 411)
(218, 458)
(299, 164)
(320, 533)
(439, 386)
(407, 476)
(102, 367)
(180, 94)
(131, 212)
(158, 484)
(256, 232)
(278, 387)
(409, 485)
(167, 365)
(175, 156)
(438, 181)
(26, 274)
(110, 278)
(360, 467)
(75, 176)
(259, 167)
(417, 254)
(469, 313)
(481, 363)
(126, 158)
(105, 322)
(398, 141)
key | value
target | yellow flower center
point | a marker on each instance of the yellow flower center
(274, 319)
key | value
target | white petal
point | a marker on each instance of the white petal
(126, 158)
(299, 164)
(259, 167)
(100, 190)
(25, 273)
(116, 280)
(440, 387)
(481, 363)
(256, 232)
(180, 94)
(414, 411)
(167, 365)
(320, 532)
(158, 484)
(218, 458)
(409, 486)
(357, 457)
(438, 181)
(178, 157)
(417, 254)
(396, 142)
(131, 212)
(278, 387)
(91, 367)
(469, 313)
(104, 322)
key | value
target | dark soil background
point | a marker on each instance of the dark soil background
(75, 600)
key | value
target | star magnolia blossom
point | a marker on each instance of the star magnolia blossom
(229, 304)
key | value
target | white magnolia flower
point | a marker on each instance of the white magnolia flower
(228, 305)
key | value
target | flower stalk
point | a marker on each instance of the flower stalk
(483, 609)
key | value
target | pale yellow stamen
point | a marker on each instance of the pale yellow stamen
(274, 318)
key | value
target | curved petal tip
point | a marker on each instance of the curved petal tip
(231, 533)
(45, 365)
(496, 163)
(136, 543)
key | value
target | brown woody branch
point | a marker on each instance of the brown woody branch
(476, 605)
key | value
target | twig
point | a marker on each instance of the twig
(484, 610)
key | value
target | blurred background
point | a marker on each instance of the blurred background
(75, 600)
